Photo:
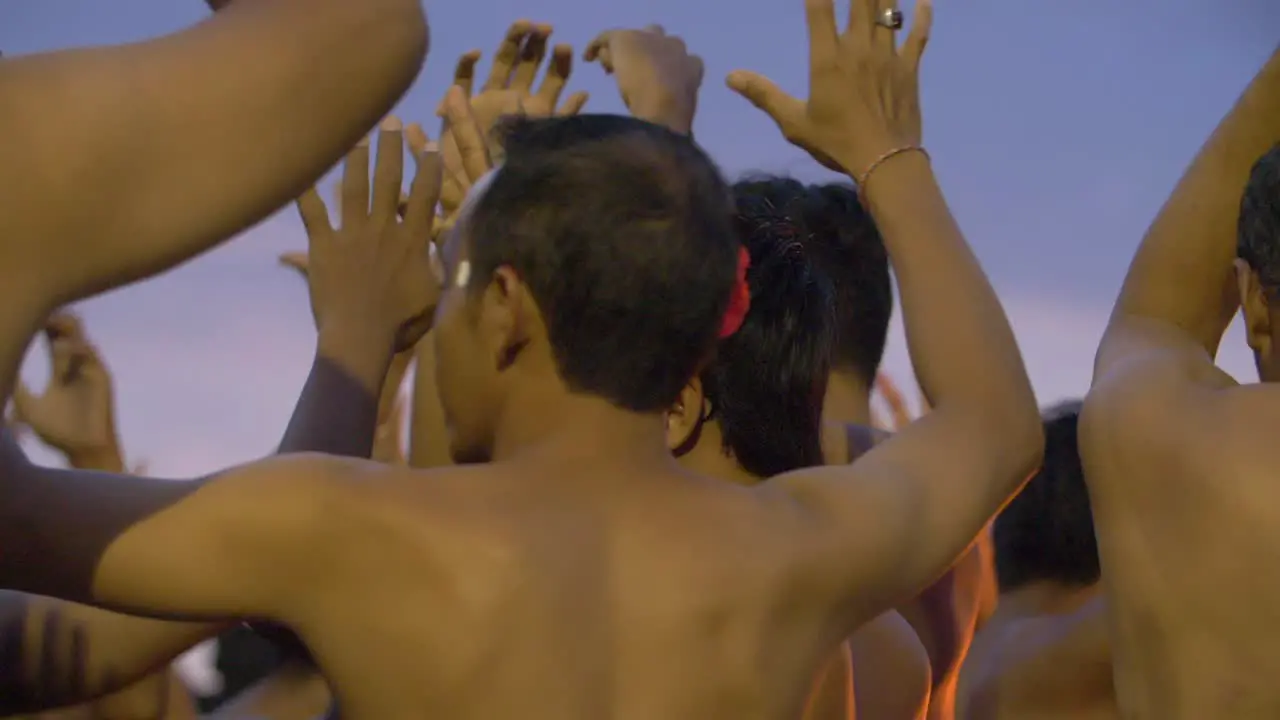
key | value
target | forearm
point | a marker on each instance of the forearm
(337, 412)
(1182, 273)
(55, 653)
(962, 348)
(428, 436)
(306, 78)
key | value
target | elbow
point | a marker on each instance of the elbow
(1010, 426)
(402, 32)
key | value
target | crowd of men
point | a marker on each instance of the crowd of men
(643, 477)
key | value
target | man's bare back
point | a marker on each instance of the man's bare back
(653, 594)
(1037, 663)
(1180, 463)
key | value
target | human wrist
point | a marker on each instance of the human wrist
(894, 177)
(364, 352)
(106, 458)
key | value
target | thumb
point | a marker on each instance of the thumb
(298, 261)
(764, 94)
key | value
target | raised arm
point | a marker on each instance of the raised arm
(1180, 294)
(257, 531)
(893, 521)
(192, 137)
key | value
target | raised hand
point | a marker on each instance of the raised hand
(372, 275)
(656, 75)
(508, 91)
(76, 412)
(863, 90)
(473, 155)
(389, 401)
(509, 88)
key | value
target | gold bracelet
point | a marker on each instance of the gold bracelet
(862, 180)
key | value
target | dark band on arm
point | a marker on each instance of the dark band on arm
(56, 524)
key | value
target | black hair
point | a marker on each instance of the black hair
(1258, 231)
(844, 244)
(1046, 532)
(623, 232)
(768, 380)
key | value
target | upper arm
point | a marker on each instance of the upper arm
(1156, 379)
(879, 530)
(121, 161)
(244, 543)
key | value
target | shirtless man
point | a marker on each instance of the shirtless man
(1044, 653)
(842, 252)
(1180, 460)
(566, 331)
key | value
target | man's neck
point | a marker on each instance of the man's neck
(557, 427)
(848, 399)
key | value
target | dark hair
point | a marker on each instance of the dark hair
(623, 232)
(844, 244)
(768, 380)
(1046, 532)
(1258, 231)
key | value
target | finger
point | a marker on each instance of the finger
(464, 73)
(697, 68)
(765, 95)
(472, 148)
(594, 48)
(558, 71)
(423, 195)
(884, 40)
(417, 139)
(532, 53)
(455, 184)
(452, 192)
(389, 170)
(315, 216)
(823, 39)
(862, 18)
(298, 261)
(63, 323)
(921, 23)
(504, 60)
(354, 205)
(573, 104)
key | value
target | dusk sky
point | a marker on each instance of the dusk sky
(1057, 129)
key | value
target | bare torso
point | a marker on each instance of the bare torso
(1189, 531)
(1048, 662)
(505, 593)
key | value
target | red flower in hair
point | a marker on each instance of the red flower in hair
(739, 297)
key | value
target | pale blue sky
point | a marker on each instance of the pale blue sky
(1057, 129)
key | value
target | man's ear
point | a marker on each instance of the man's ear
(685, 418)
(1254, 307)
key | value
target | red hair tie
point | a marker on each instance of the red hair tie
(739, 298)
